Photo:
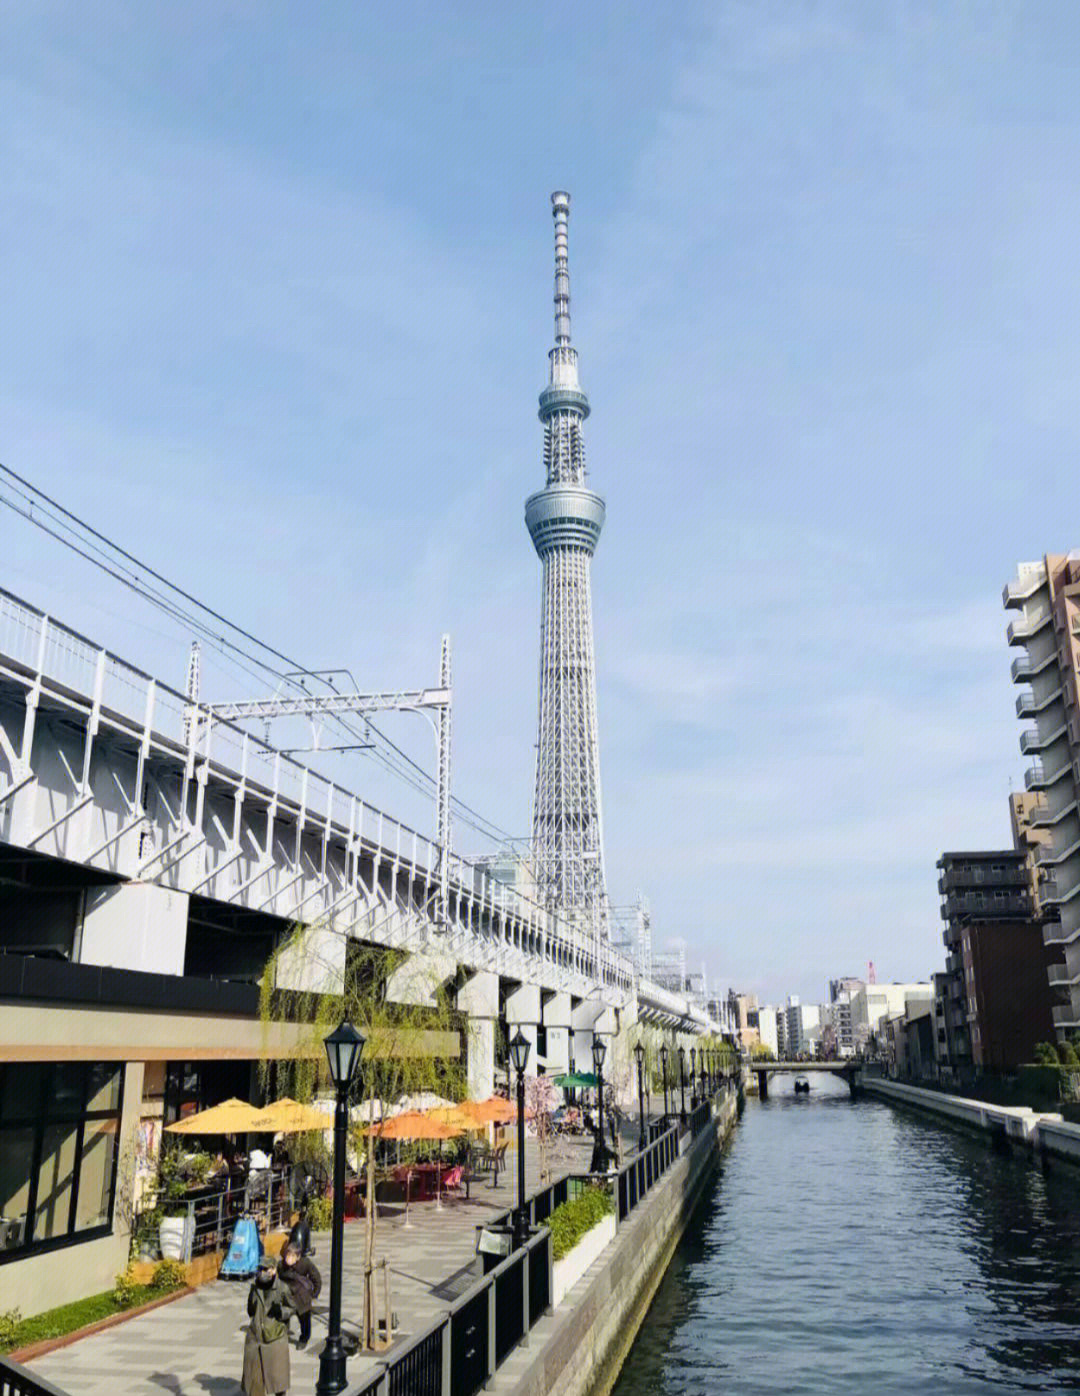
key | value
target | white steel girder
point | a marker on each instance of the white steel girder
(102, 776)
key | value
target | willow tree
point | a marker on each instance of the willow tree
(412, 1046)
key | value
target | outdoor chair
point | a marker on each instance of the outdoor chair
(481, 1158)
(498, 1161)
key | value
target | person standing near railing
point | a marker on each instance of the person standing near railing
(266, 1347)
(301, 1277)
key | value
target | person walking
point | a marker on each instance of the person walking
(266, 1346)
(300, 1275)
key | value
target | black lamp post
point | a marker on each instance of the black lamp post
(639, 1054)
(601, 1157)
(663, 1073)
(693, 1078)
(519, 1058)
(701, 1074)
(343, 1049)
(682, 1085)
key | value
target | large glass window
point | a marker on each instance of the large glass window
(59, 1131)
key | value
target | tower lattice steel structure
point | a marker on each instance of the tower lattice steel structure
(564, 520)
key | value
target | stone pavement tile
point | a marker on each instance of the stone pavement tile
(194, 1346)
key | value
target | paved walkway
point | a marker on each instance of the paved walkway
(194, 1346)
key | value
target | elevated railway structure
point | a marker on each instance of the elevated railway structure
(221, 841)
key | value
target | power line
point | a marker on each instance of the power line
(400, 763)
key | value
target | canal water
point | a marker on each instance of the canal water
(846, 1247)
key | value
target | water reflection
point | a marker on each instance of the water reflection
(847, 1247)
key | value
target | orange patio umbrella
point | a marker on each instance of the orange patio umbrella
(230, 1117)
(457, 1117)
(287, 1116)
(496, 1110)
(412, 1125)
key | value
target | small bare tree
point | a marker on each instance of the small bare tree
(541, 1098)
(411, 1047)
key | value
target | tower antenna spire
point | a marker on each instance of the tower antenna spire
(560, 203)
(565, 519)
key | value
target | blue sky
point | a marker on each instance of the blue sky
(276, 310)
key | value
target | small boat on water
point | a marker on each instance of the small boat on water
(802, 1086)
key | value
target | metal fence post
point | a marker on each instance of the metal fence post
(526, 1265)
(491, 1364)
(444, 1383)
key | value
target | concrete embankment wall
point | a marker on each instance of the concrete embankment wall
(583, 1350)
(1046, 1134)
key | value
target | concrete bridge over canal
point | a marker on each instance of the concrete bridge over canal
(849, 1070)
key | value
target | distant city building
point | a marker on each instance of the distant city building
(842, 1022)
(767, 1029)
(742, 1010)
(875, 1002)
(993, 1003)
(802, 1023)
(848, 985)
(908, 1041)
(1047, 594)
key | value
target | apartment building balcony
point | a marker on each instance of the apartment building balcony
(1054, 933)
(1027, 704)
(1023, 585)
(1049, 856)
(1033, 740)
(1066, 1015)
(1040, 777)
(1059, 976)
(1024, 668)
(1045, 817)
(1012, 874)
(1020, 630)
(986, 906)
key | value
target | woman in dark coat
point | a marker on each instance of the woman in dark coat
(299, 1274)
(266, 1347)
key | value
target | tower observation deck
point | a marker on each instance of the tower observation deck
(564, 520)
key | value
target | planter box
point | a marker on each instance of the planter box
(569, 1270)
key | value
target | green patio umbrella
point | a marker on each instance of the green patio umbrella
(576, 1079)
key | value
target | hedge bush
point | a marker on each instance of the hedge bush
(569, 1222)
(168, 1275)
(68, 1318)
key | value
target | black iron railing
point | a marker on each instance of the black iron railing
(17, 1381)
(418, 1371)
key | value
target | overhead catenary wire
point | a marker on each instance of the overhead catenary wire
(89, 543)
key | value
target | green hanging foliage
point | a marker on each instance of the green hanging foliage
(411, 1047)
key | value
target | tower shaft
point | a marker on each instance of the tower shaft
(565, 519)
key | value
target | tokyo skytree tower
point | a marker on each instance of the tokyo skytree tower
(564, 520)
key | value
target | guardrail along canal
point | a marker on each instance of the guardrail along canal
(848, 1247)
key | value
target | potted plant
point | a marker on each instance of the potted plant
(173, 1209)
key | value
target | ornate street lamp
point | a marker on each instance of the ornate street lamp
(663, 1073)
(343, 1049)
(693, 1078)
(519, 1058)
(682, 1085)
(639, 1054)
(601, 1158)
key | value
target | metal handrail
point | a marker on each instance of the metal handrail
(462, 1374)
(18, 1381)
